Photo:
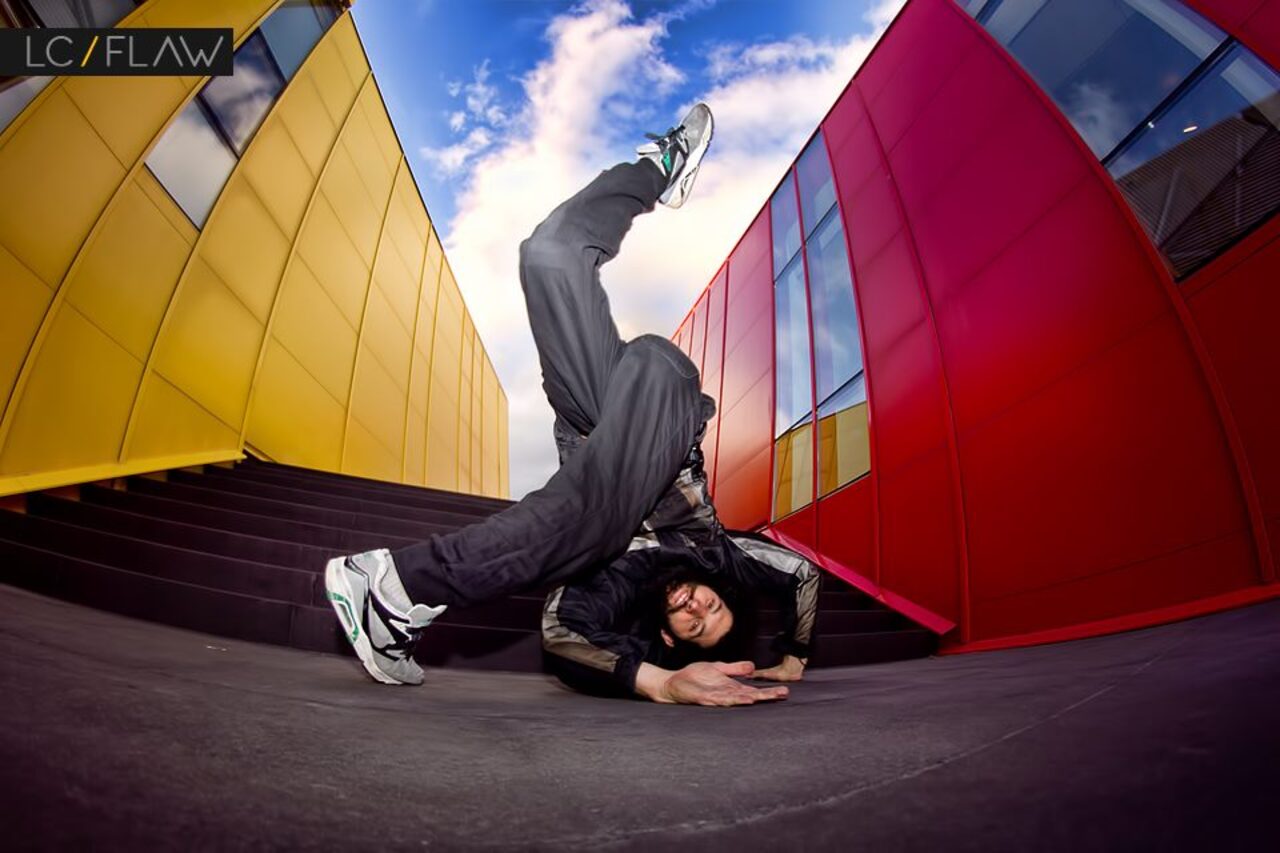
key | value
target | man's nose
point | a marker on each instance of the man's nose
(695, 606)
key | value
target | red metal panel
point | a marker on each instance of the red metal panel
(1262, 32)
(845, 532)
(742, 495)
(910, 26)
(847, 116)
(851, 141)
(752, 250)
(1236, 316)
(1114, 465)
(906, 397)
(938, 48)
(919, 556)
(1054, 298)
(1163, 581)
(748, 360)
(801, 526)
(995, 194)
(870, 214)
(699, 335)
(746, 427)
(1228, 14)
(712, 363)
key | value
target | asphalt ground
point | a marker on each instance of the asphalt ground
(120, 734)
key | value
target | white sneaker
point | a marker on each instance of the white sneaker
(678, 153)
(380, 621)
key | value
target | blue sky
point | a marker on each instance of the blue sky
(505, 107)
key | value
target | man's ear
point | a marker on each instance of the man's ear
(668, 639)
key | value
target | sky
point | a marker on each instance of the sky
(507, 107)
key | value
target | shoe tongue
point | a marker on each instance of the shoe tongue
(421, 615)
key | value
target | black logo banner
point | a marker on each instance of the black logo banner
(116, 52)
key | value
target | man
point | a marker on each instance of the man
(650, 579)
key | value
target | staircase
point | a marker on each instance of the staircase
(239, 551)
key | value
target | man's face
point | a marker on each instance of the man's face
(696, 614)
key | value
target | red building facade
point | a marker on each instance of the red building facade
(1000, 348)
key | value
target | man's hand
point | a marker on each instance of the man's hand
(791, 669)
(704, 684)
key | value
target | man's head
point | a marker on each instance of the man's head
(695, 613)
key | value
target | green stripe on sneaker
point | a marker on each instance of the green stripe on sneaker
(346, 605)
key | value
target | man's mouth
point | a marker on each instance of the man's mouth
(680, 597)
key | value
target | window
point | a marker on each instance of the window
(294, 28)
(1207, 171)
(1183, 117)
(815, 288)
(240, 102)
(1107, 63)
(196, 155)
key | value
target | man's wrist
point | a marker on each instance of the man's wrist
(651, 683)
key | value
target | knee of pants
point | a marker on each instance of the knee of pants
(544, 258)
(654, 355)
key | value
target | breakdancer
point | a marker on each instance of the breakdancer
(655, 595)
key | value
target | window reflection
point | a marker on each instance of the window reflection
(837, 347)
(794, 392)
(785, 219)
(95, 14)
(192, 162)
(1207, 171)
(1106, 63)
(293, 29)
(817, 189)
(240, 102)
(15, 94)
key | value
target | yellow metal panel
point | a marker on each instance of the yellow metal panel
(169, 422)
(129, 270)
(378, 403)
(407, 247)
(489, 443)
(442, 457)
(367, 457)
(398, 285)
(844, 448)
(245, 247)
(360, 216)
(26, 299)
(334, 261)
(387, 339)
(419, 384)
(76, 402)
(793, 470)
(164, 203)
(302, 111)
(294, 419)
(337, 92)
(504, 449)
(419, 221)
(240, 15)
(380, 123)
(415, 450)
(57, 176)
(365, 153)
(209, 347)
(276, 170)
(311, 327)
(126, 111)
(348, 44)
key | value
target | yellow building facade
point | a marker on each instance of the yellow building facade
(168, 300)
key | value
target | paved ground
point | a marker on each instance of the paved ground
(123, 734)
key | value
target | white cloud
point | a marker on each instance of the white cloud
(604, 64)
(457, 121)
(450, 159)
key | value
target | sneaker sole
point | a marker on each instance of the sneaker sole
(342, 598)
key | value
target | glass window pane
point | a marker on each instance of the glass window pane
(240, 102)
(192, 162)
(793, 471)
(95, 14)
(1207, 171)
(15, 97)
(837, 349)
(794, 393)
(844, 446)
(293, 29)
(1107, 63)
(817, 189)
(786, 225)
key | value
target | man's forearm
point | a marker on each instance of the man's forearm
(651, 683)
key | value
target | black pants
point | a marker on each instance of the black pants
(638, 403)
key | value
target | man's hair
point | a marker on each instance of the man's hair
(738, 644)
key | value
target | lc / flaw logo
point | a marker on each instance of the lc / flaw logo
(118, 52)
